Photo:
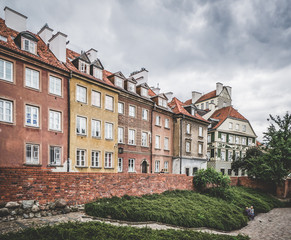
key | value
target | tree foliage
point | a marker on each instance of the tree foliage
(273, 163)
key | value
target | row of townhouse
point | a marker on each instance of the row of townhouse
(62, 110)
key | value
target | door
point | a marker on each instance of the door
(144, 167)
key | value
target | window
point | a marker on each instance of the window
(121, 108)
(162, 102)
(200, 132)
(244, 128)
(108, 131)
(96, 128)
(229, 172)
(223, 155)
(223, 137)
(209, 138)
(95, 159)
(55, 120)
(157, 166)
(167, 123)
(243, 172)
(243, 141)
(109, 103)
(166, 143)
(250, 141)
(236, 155)
(6, 70)
(120, 164)
(192, 111)
(131, 137)
(144, 92)
(32, 116)
(202, 106)
(224, 104)
(108, 160)
(188, 128)
(120, 134)
(236, 172)
(188, 146)
(98, 73)
(157, 143)
(55, 86)
(166, 166)
(96, 98)
(81, 94)
(130, 87)
(200, 148)
(195, 170)
(29, 46)
(131, 112)
(81, 156)
(32, 154)
(222, 170)
(55, 155)
(6, 111)
(81, 125)
(237, 127)
(158, 120)
(144, 139)
(31, 78)
(145, 114)
(187, 171)
(230, 139)
(131, 165)
(230, 125)
(118, 82)
(237, 140)
(229, 155)
(208, 155)
(84, 67)
(207, 105)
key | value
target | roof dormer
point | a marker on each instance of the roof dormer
(161, 100)
(82, 63)
(96, 69)
(117, 79)
(143, 90)
(131, 85)
(27, 41)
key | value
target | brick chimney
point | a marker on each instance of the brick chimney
(195, 96)
(15, 20)
(57, 45)
(45, 33)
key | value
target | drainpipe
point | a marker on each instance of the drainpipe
(181, 146)
(154, 107)
(69, 122)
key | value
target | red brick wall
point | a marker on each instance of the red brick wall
(76, 188)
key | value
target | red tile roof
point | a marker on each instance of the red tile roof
(224, 113)
(43, 53)
(71, 55)
(178, 108)
(204, 97)
(151, 93)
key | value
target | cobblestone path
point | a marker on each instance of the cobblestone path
(275, 224)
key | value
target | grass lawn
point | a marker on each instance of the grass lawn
(186, 208)
(100, 231)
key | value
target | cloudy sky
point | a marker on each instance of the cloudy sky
(185, 45)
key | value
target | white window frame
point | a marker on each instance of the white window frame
(84, 67)
(158, 142)
(55, 155)
(55, 85)
(96, 128)
(223, 137)
(109, 128)
(6, 73)
(96, 98)
(244, 141)
(144, 92)
(167, 123)
(157, 166)
(109, 103)
(131, 136)
(250, 141)
(200, 148)
(6, 111)
(237, 127)
(230, 139)
(55, 120)
(33, 117)
(200, 131)
(230, 153)
(222, 155)
(237, 140)
(120, 165)
(166, 143)
(188, 128)
(120, 107)
(166, 166)
(209, 138)
(131, 111)
(145, 114)
(119, 82)
(34, 153)
(95, 158)
(131, 165)
(120, 135)
(130, 87)
(32, 78)
(81, 125)
(81, 94)
(158, 120)
(230, 125)
(108, 162)
(81, 157)
(29, 45)
(244, 128)
(98, 73)
(144, 139)
(187, 147)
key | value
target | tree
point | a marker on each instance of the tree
(272, 165)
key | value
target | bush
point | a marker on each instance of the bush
(206, 178)
(221, 192)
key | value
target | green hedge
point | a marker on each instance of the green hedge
(100, 231)
(186, 208)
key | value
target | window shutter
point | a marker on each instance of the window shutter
(212, 137)
(212, 153)
(219, 134)
(226, 157)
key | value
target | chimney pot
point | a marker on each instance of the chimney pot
(57, 45)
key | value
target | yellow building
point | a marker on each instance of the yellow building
(93, 121)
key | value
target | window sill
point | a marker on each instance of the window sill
(81, 167)
(95, 167)
(130, 144)
(56, 131)
(81, 102)
(157, 149)
(7, 81)
(131, 116)
(34, 89)
(158, 125)
(167, 128)
(132, 172)
(95, 137)
(167, 150)
(109, 139)
(81, 135)
(33, 127)
(32, 165)
(108, 167)
(145, 146)
(109, 110)
(9, 123)
(55, 165)
(55, 95)
(96, 106)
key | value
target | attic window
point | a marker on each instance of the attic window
(28, 45)
(118, 82)
(131, 87)
(144, 92)
(84, 67)
(3, 38)
(162, 102)
(97, 73)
